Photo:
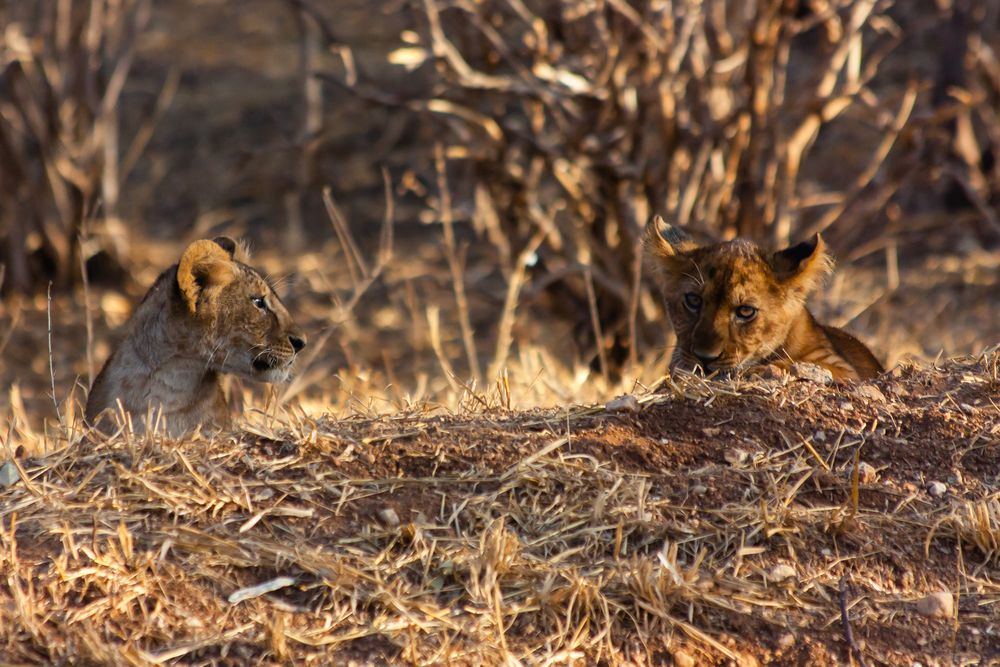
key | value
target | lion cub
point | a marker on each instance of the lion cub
(207, 315)
(734, 306)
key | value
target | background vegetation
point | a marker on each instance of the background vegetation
(520, 148)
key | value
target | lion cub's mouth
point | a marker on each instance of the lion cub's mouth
(267, 363)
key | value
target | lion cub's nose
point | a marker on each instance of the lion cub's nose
(298, 342)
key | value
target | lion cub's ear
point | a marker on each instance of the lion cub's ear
(802, 266)
(205, 264)
(663, 240)
(665, 246)
(237, 249)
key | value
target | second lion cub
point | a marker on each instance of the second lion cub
(734, 306)
(205, 316)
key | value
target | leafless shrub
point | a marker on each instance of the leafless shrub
(578, 121)
(64, 65)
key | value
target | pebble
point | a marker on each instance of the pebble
(735, 456)
(9, 474)
(866, 472)
(812, 372)
(626, 403)
(699, 489)
(772, 372)
(682, 659)
(781, 571)
(937, 489)
(871, 392)
(786, 641)
(389, 517)
(936, 605)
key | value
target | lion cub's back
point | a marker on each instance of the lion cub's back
(854, 352)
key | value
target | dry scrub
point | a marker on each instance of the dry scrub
(715, 521)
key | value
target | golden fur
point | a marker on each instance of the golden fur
(734, 306)
(208, 315)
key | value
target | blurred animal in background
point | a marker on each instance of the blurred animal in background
(208, 315)
(735, 306)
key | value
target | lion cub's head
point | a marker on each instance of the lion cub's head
(235, 321)
(731, 304)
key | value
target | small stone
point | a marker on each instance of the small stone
(819, 436)
(735, 456)
(781, 572)
(699, 489)
(937, 489)
(846, 406)
(772, 372)
(936, 605)
(626, 403)
(871, 392)
(711, 431)
(682, 659)
(389, 517)
(786, 641)
(867, 474)
(9, 474)
(812, 373)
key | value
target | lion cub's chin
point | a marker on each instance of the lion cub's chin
(272, 375)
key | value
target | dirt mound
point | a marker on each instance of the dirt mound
(754, 522)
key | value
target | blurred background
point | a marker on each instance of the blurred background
(450, 193)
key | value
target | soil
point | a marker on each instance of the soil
(742, 477)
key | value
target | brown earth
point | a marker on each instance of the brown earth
(580, 536)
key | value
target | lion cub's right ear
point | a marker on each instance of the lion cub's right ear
(665, 244)
(663, 240)
(205, 264)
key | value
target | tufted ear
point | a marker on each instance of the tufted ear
(237, 249)
(802, 266)
(204, 264)
(663, 240)
(666, 247)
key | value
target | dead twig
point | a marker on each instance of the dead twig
(846, 624)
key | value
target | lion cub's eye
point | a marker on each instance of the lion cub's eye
(746, 313)
(692, 301)
(259, 302)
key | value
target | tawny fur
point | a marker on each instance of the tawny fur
(706, 286)
(206, 316)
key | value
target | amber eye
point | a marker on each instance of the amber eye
(692, 301)
(259, 302)
(746, 313)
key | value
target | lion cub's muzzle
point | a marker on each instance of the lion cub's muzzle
(279, 360)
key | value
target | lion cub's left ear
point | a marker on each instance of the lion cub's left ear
(802, 266)
(205, 264)
(237, 249)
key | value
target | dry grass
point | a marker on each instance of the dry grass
(497, 537)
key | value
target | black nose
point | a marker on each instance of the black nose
(298, 342)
